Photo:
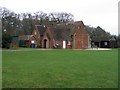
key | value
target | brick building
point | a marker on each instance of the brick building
(70, 36)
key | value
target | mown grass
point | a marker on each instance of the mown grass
(60, 69)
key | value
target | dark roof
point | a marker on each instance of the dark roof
(41, 29)
(60, 33)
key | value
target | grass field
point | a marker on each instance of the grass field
(60, 69)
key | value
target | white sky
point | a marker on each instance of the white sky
(103, 13)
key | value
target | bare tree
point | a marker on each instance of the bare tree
(61, 17)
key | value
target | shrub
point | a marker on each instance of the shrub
(6, 40)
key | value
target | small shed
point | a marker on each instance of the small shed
(101, 42)
(104, 42)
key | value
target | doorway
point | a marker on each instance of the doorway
(45, 43)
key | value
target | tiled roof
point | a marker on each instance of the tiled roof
(60, 33)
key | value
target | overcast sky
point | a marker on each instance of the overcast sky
(103, 13)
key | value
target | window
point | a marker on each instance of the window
(105, 43)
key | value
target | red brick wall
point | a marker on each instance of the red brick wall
(81, 38)
(51, 43)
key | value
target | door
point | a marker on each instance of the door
(45, 43)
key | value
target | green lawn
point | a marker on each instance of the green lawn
(60, 69)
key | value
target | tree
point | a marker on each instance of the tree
(61, 17)
(6, 40)
(26, 23)
(9, 21)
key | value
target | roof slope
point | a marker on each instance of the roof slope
(60, 33)
(41, 29)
